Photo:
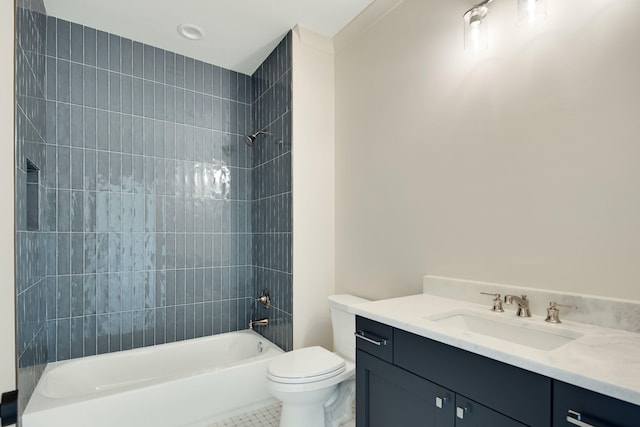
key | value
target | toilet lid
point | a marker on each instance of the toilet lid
(305, 365)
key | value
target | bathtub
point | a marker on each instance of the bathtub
(187, 383)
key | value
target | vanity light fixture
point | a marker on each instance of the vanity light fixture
(531, 12)
(190, 31)
(475, 27)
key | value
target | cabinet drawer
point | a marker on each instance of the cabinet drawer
(514, 392)
(472, 414)
(596, 409)
(375, 338)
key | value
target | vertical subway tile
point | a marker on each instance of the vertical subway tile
(76, 121)
(114, 53)
(114, 92)
(189, 73)
(115, 133)
(90, 86)
(127, 134)
(159, 102)
(127, 95)
(148, 62)
(51, 36)
(63, 72)
(102, 130)
(89, 46)
(137, 97)
(138, 59)
(159, 65)
(89, 179)
(102, 89)
(126, 56)
(77, 42)
(199, 76)
(148, 97)
(102, 334)
(170, 68)
(102, 50)
(76, 83)
(89, 335)
(90, 260)
(63, 38)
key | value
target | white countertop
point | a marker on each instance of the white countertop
(603, 360)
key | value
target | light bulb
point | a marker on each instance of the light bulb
(532, 12)
(475, 29)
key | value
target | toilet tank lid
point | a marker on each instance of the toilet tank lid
(344, 301)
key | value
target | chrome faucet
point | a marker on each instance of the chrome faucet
(261, 322)
(523, 304)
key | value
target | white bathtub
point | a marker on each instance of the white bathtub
(188, 383)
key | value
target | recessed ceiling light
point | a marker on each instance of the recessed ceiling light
(190, 31)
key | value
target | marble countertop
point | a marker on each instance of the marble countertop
(600, 359)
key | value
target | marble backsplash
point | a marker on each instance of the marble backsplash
(594, 310)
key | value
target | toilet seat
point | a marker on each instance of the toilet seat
(306, 365)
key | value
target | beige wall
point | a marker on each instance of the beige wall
(7, 282)
(519, 166)
(313, 154)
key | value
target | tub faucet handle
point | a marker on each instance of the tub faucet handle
(497, 302)
(264, 298)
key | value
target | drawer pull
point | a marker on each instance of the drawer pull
(373, 339)
(575, 418)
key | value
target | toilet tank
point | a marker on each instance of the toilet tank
(344, 324)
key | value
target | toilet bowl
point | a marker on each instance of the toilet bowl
(317, 387)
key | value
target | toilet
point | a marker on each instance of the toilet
(317, 387)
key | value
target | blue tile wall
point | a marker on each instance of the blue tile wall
(150, 195)
(271, 189)
(32, 243)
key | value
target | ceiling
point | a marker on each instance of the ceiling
(239, 34)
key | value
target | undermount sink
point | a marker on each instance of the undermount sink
(518, 331)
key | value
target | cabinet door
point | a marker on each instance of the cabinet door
(594, 409)
(387, 396)
(473, 414)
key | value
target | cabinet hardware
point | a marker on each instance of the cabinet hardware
(575, 418)
(373, 339)
(441, 401)
(461, 411)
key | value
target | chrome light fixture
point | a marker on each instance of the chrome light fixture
(531, 12)
(475, 27)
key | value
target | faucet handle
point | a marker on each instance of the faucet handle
(497, 302)
(553, 313)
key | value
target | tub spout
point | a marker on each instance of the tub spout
(261, 322)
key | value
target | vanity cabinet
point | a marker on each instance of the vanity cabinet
(398, 384)
(403, 379)
(576, 406)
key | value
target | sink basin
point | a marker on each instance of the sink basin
(518, 331)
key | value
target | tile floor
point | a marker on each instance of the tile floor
(263, 417)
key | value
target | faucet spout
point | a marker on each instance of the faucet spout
(261, 322)
(522, 302)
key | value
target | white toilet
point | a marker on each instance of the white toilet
(317, 387)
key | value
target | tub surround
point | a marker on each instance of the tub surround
(604, 360)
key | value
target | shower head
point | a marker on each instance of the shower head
(250, 139)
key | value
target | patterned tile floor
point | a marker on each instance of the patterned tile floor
(263, 417)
